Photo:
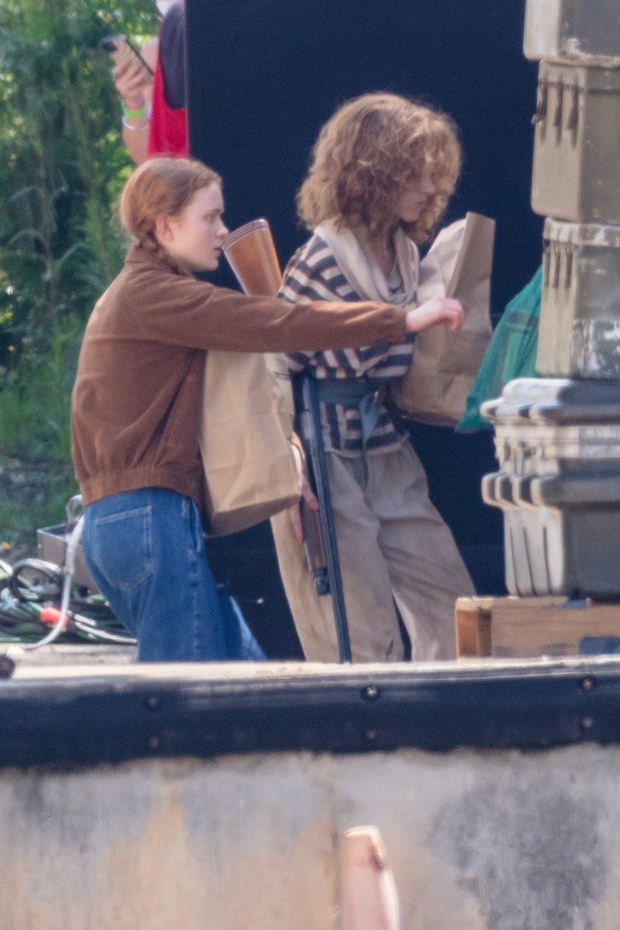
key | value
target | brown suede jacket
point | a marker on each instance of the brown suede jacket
(137, 399)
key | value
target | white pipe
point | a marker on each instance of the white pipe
(57, 629)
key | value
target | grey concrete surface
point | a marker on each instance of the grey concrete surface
(477, 840)
(70, 656)
(497, 840)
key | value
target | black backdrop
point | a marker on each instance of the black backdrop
(264, 75)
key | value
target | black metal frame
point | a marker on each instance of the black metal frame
(309, 418)
(88, 720)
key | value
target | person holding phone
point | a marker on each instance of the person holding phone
(382, 171)
(138, 395)
(154, 112)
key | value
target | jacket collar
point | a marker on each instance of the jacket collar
(138, 255)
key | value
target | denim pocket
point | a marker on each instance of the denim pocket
(122, 548)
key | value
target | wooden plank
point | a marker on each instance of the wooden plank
(521, 627)
(553, 630)
(473, 626)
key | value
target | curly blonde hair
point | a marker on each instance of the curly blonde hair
(365, 156)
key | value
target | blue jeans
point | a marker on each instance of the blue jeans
(145, 550)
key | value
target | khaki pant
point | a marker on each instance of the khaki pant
(392, 544)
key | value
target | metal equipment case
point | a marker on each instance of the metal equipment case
(558, 445)
(576, 174)
(587, 31)
(52, 544)
(580, 308)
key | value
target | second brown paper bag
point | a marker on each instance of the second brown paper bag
(444, 365)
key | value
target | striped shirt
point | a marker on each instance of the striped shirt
(314, 274)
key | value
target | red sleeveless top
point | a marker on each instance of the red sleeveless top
(168, 128)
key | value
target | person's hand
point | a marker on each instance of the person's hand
(130, 82)
(307, 495)
(295, 511)
(439, 311)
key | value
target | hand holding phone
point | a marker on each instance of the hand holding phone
(126, 58)
(124, 53)
(132, 75)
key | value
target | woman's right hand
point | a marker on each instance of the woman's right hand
(439, 311)
(306, 492)
(295, 510)
(129, 82)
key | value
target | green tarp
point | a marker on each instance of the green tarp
(511, 353)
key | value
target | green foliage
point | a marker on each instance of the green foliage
(62, 162)
(62, 166)
(35, 402)
(33, 494)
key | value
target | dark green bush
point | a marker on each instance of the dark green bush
(62, 165)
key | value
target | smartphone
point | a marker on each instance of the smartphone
(123, 52)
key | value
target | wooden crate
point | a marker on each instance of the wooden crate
(530, 626)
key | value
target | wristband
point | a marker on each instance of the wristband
(135, 128)
(134, 114)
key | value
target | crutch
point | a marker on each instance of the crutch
(309, 424)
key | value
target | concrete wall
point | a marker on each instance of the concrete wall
(502, 840)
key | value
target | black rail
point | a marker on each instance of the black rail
(110, 718)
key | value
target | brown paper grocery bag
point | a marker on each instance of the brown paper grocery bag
(252, 255)
(282, 388)
(249, 464)
(444, 364)
(247, 417)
